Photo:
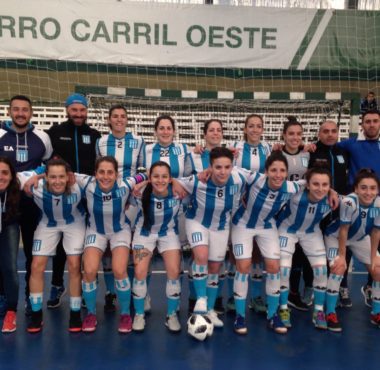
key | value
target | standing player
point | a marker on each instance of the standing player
(73, 141)
(208, 224)
(62, 218)
(26, 147)
(127, 149)
(299, 223)
(107, 196)
(157, 225)
(359, 215)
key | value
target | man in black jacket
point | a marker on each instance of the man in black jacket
(74, 141)
(328, 154)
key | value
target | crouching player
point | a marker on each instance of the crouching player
(359, 217)
(107, 195)
(299, 223)
(208, 225)
(62, 217)
(157, 225)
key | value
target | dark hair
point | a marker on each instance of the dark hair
(20, 97)
(317, 170)
(220, 152)
(248, 118)
(370, 111)
(106, 158)
(366, 173)
(164, 116)
(145, 199)
(12, 191)
(208, 122)
(59, 162)
(292, 121)
(117, 106)
(276, 155)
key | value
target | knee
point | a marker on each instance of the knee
(38, 266)
(243, 266)
(272, 266)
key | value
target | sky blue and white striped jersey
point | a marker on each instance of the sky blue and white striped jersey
(106, 210)
(174, 155)
(263, 203)
(211, 205)
(361, 219)
(127, 151)
(196, 163)
(302, 215)
(61, 209)
(163, 214)
(251, 157)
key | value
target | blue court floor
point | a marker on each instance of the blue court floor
(156, 349)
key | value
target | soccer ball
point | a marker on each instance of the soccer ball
(199, 326)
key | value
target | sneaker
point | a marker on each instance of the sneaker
(285, 317)
(75, 322)
(147, 304)
(3, 305)
(218, 307)
(230, 307)
(258, 305)
(240, 325)
(56, 293)
(308, 296)
(375, 319)
(200, 305)
(367, 294)
(138, 323)
(333, 323)
(9, 323)
(319, 320)
(89, 323)
(109, 302)
(213, 316)
(35, 323)
(294, 300)
(344, 298)
(83, 304)
(172, 323)
(277, 325)
(28, 308)
(191, 305)
(125, 324)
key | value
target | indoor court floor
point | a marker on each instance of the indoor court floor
(303, 347)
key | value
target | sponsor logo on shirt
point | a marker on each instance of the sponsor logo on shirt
(86, 139)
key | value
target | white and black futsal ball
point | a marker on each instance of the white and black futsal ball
(199, 326)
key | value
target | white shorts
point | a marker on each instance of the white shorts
(312, 245)
(163, 243)
(101, 241)
(131, 214)
(46, 239)
(360, 249)
(216, 240)
(266, 239)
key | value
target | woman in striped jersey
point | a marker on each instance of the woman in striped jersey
(358, 227)
(299, 223)
(62, 217)
(107, 194)
(157, 225)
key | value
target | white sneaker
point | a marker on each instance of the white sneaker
(200, 305)
(213, 316)
(147, 304)
(138, 323)
(172, 323)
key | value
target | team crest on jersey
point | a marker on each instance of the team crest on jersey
(121, 192)
(234, 189)
(133, 144)
(373, 212)
(36, 245)
(325, 208)
(172, 203)
(340, 159)
(305, 162)
(285, 197)
(176, 150)
(71, 199)
(22, 155)
(86, 139)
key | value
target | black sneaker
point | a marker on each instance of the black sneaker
(344, 298)
(191, 305)
(35, 323)
(56, 294)
(109, 302)
(218, 307)
(75, 322)
(295, 301)
(367, 294)
(28, 308)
